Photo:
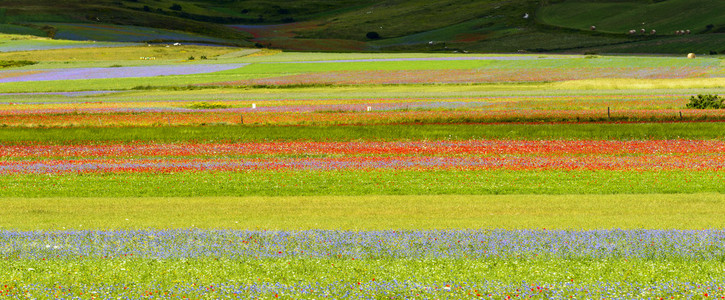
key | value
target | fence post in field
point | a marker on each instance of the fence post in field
(609, 115)
(680, 115)
(241, 119)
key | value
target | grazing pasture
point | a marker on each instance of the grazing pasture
(214, 172)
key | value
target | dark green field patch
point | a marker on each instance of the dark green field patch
(626, 131)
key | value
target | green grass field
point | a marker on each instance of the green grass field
(361, 182)
(369, 212)
(695, 130)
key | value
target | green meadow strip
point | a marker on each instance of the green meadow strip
(215, 278)
(360, 182)
(369, 212)
(625, 131)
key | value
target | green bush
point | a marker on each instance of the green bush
(706, 102)
(15, 63)
(207, 105)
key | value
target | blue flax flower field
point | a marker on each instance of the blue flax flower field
(252, 264)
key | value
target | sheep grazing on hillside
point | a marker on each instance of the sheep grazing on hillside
(653, 32)
(593, 27)
(677, 32)
(687, 31)
(643, 31)
(632, 31)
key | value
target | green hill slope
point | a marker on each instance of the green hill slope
(385, 25)
(665, 17)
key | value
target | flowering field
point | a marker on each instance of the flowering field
(340, 264)
(259, 174)
(449, 155)
(478, 75)
(104, 108)
(114, 72)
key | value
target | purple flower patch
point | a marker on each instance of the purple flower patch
(120, 72)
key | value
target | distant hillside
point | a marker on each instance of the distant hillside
(386, 25)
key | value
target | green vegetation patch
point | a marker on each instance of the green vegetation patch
(620, 16)
(15, 63)
(207, 105)
(226, 278)
(369, 212)
(706, 102)
(360, 182)
(626, 131)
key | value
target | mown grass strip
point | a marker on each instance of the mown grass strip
(626, 131)
(361, 182)
(372, 212)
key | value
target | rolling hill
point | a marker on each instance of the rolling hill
(385, 25)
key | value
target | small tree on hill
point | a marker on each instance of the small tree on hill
(373, 35)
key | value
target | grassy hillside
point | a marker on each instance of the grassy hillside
(665, 17)
(385, 25)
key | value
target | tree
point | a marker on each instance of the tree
(373, 35)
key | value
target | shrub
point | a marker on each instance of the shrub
(207, 105)
(706, 102)
(175, 7)
(373, 35)
(192, 57)
(16, 63)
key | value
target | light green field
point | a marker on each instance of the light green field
(373, 212)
